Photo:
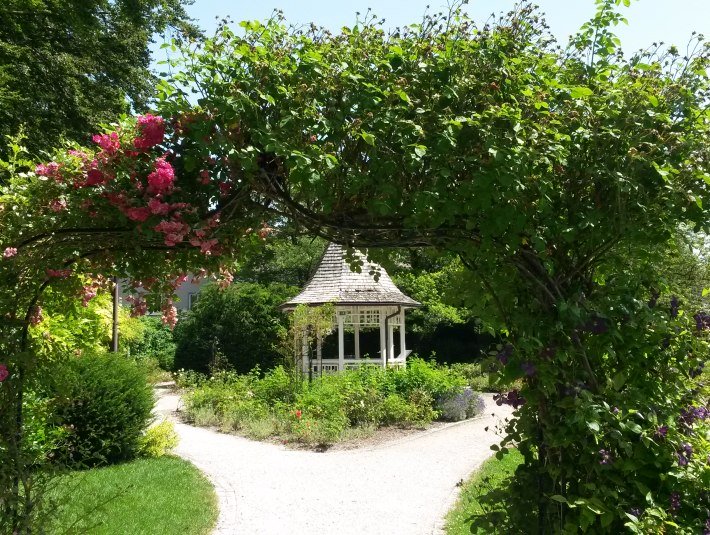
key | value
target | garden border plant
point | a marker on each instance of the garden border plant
(558, 176)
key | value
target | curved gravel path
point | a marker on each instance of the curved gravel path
(402, 487)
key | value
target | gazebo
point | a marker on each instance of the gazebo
(362, 300)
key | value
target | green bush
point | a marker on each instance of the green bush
(242, 322)
(154, 342)
(158, 440)
(104, 402)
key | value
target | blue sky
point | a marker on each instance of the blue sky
(671, 21)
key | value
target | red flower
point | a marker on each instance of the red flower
(138, 214)
(108, 142)
(157, 207)
(151, 131)
(3, 372)
(94, 177)
(162, 178)
(298, 414)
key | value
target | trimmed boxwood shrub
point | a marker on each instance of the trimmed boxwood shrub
(104, 403)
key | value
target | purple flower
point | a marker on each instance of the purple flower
(662, 431)
(675, 501)
(596, 325)
(675, 305)
(615, 410)
(636, 511)
(702, 321)
(511, 398)
(528, 368)
(605, 457)
(685, 454)
(706, 531)
(505, 353)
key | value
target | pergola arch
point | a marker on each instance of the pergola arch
(361, 299)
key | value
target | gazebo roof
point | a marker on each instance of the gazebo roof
(334, 282)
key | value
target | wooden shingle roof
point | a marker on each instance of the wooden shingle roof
(334, 282)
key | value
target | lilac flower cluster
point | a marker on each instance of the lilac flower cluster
(691, 414)
(510, 398)
(675, 501)
(685, 454)
(702, 321)
(505, 353)
(606, 457)
(675, 306)
(528, 368)
(661, 432)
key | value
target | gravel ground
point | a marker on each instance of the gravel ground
(404, 486)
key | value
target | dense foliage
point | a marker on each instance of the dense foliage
(330, 407)
(104, 402)
(239, 328)
(67, 66)
(559, 177)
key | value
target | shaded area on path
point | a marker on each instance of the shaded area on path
(400, 487)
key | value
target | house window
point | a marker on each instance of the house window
(192, 299)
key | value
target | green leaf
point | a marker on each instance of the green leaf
(558, 498)
(594, 426)
(653, 100)
(420, 150)
(706, 291)
(618, 380)
(580, 92)
(368, 138)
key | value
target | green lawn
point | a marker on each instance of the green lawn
(161, 496)
(479, 497)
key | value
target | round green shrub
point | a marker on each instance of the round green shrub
(104, 402)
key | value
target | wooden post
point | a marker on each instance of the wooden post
(319, 352)
(390, 334)
(341, 342)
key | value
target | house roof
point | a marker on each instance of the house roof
(334, 282)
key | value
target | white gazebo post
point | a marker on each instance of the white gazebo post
(304, 350)
(341, 340)
(356, 328)
(390, 345)
(383, 338)
(402, 344)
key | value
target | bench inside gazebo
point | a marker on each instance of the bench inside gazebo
(362, 301)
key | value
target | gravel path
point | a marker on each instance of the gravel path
(401, 487)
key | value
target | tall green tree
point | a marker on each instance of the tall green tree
(67, 66)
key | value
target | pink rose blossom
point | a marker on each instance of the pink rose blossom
(49, 170)
(94, 177)
(151, 130)
(88, 293)
(36, 316)
(58, 205)
(161, 179)
(108, 142)
(4, 373)
(138, 305)
(58, 273)
(9, 252)
(138, 214)
(174, 231)
(225, 278)
(170, 316)
(157, 207)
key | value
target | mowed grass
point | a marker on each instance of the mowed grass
(162, 496)
(489, 478)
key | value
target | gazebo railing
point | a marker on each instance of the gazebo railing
(332, 365)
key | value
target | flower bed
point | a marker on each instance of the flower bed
(281, 404)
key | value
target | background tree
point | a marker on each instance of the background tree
(66, 66)
(241, 324)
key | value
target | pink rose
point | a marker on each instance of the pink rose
(9, 252)
(4, 373)
(151, 130)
